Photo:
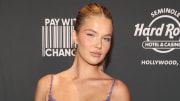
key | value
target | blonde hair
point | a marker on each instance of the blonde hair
(92, 9)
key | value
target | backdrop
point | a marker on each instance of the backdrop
(35, 40)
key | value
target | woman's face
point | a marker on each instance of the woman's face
(94, 39)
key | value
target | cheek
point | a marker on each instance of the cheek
(106, 48)
(84, 42)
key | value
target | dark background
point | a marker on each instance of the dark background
(21, 62)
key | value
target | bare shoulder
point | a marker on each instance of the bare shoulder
(44, 81)
(121, 86)
(121, 91)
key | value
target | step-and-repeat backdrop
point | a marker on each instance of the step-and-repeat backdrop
(35, 40)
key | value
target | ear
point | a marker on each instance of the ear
(74, 36)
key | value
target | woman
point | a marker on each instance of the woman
(85, 79)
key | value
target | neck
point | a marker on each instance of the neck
(82, 70)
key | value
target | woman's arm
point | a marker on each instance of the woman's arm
(42, 88)
(121, 91)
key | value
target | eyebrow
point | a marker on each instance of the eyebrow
(96, 32)
(90, 30)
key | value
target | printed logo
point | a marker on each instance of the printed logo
(56, 37)
(162, 33)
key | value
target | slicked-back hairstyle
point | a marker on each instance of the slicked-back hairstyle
(92, 9)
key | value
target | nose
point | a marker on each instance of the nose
(98, 43)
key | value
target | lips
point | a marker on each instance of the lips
(96, 54)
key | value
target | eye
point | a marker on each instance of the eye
(108, 39)
(90, 35)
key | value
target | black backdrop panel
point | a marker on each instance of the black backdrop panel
(145, 53)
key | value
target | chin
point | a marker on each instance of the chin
(95, 62)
